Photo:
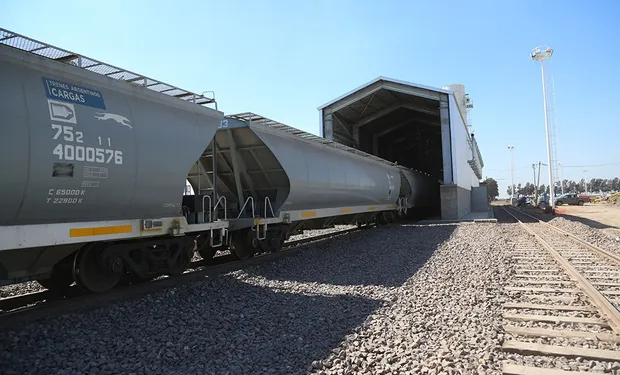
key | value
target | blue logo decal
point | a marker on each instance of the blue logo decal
(73, 94)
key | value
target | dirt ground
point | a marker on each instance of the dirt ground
(605, 214)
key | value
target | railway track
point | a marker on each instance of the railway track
(563, 317)
(31, 306)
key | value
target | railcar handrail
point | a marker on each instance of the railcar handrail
(30, 45)
(250, 198)
(268, 203)
(203, 206)
(218, 203)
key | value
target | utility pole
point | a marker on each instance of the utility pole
(539, 166)
(536, 183)
(561, 178)
(535, 186)
(512, 175)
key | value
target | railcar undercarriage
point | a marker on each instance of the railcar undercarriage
(100, 266)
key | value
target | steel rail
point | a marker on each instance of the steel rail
(612, 314)
(609, 255)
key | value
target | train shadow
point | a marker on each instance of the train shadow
(398, 251)
(221, 326)
(502, 216)
(273, 318)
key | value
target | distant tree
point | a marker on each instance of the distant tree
(595, 185)
(492, 188)
(581, 186)
(528, 189)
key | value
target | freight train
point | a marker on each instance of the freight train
(95, 160)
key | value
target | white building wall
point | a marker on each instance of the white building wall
(464, 176)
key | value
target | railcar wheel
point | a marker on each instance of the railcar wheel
(273, 243)
(61, 277)
(130, 278)
(208, 253)
(97, 271)
(204, 249)
(57, 283)
(379, 221)
(243, 247)
(180, 258)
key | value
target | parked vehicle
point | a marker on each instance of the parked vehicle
(570, 198)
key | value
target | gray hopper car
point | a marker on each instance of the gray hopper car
(278, 180)
(90, 161)
(95, 160)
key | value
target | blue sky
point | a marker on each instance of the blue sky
(283, 59)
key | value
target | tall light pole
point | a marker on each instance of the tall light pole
(512, 175)
(585, 181)
(541, 54)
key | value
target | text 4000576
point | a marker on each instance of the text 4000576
(70, 152)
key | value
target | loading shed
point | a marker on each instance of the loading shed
(419, 127)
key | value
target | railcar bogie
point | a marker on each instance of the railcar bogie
(61, 276)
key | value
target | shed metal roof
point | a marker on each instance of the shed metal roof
(385, 79)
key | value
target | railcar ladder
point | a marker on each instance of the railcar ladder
(402, 205)
(207, 214)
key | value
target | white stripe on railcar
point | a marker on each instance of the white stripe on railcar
(36, 235)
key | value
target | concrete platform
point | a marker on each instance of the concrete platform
(476, 217)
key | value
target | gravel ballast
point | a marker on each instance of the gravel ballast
(594, 236)
(19, 289)
(401, 299)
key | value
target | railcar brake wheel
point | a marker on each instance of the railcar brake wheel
(95, 270)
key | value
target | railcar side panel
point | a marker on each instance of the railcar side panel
(424, 189)
(321, 177)
(14, 149)
(77, 146)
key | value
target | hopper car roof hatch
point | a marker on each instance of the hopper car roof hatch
(42, 49)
